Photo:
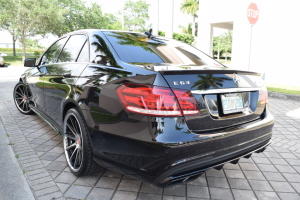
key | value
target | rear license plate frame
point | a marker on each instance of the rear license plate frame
(232, 103)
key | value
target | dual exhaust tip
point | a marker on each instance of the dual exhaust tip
(219, 167)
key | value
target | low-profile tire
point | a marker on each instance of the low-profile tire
(23, 98)
(77, 146)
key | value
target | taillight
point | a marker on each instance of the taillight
(157, 101)
(187, 102)
(263, 95)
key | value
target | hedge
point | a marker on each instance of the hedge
(19, 50)
(187, 38)
(184, 37)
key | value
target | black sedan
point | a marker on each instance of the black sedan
(150, 107)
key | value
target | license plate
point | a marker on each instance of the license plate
(232, 103)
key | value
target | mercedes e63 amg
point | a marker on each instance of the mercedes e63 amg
(150, 107)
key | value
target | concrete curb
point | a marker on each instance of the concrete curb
(14, 184)
(284, 96)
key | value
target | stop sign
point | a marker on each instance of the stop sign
(252, 13)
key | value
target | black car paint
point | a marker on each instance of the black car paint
(155, 149)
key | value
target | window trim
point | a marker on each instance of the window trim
(87, 37)
(41, 58)
(86, 42)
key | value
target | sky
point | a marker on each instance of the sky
(113, 6)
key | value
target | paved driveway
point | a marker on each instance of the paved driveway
(274, 174)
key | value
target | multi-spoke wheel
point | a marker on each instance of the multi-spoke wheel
(23, 98)
(78, 150)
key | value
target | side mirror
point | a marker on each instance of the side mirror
(30, 62)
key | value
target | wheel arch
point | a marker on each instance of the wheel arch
(68, 104)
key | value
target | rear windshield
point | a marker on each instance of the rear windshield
(138, 48)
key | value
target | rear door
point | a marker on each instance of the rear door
(62, 74)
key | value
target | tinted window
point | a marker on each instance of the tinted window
(133, 47)
(52, 53)
(138, 48)
(99, 52)
(84, 54)
(72, 48)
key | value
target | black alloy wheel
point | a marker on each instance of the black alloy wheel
(23, 98)
(78, 150)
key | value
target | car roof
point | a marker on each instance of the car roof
(89, 31)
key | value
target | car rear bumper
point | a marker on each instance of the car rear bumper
(191, 170)
(166, 163)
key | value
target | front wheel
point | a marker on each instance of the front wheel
(77, 147)
(23, 98)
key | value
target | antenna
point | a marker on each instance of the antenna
(149, 33)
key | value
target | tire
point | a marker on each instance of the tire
(23, 98)
(77, 146)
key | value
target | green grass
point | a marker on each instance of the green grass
(13, 60)
(223, 61)
(16, 60)
(285, 91)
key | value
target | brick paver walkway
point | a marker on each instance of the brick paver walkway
(274, 174)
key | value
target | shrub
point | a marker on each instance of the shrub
(189, 39)
(37, 54)
(160, 33)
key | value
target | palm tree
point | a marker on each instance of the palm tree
(208, 80)
(190, 7)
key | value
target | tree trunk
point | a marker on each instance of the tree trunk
(23, 42)
(23, 51)
(219, 50)
(195, 30)
(193, 26)
(14, 45)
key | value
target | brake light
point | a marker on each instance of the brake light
(263, 95)
(157, 101)
(187, 102)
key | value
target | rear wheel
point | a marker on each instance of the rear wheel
(23, 99)
(77, 147)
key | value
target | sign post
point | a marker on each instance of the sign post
(252, 14)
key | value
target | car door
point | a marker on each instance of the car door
(61, 76)
(36, 78)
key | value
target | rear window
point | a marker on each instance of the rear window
(138, 48)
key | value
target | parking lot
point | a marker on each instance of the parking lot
(274, 174)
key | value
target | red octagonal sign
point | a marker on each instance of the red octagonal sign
(252, 13)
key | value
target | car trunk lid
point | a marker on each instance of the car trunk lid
(225, 97)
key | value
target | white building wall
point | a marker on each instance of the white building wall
(275, 36)
(6, 40)
(9, 45)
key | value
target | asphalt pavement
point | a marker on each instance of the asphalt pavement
(33, 166)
